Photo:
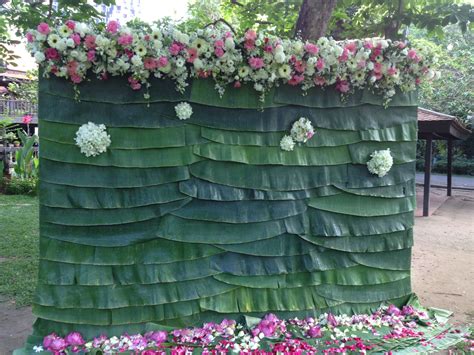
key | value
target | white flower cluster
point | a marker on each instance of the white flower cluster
(287, 143)
(301, 131)
(92, 139)
(380, 163)
(183, 110)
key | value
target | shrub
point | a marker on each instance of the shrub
(461, 166)
(17, 186)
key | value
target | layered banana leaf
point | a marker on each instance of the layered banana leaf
(182, 222)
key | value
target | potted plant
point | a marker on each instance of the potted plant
(11, 137)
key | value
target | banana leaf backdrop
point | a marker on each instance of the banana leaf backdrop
(183, 222)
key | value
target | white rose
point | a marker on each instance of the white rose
(39, 57)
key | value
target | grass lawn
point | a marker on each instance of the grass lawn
(19, 235)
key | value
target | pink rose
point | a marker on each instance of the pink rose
(76, 38)
(311, 48)
(320, 64)
(150, 63)
(256, 62)
(113, 26)
(250, 35)
(75, 339)
(43, 28)
(76, 78)
(237, 84)
(192, 55)
(268, 48)
(71, 24)
(392, 71)
(344, 56)
(219, 52)
(342, 86)
(413, 55)
(174, 48)
(29, 37)
(315, 332)
(125, 40)
(134, 83)
(51, 53)
(219, 44)
(296, 79)
(162, 62)
(300, 66)
(91, 55)
(157, 337)
(332, 320)
(72, 67)
(89, 42)
(57, 345)
(249, 44)
(351, 47)
(377, 67)
(319, 80)
(27, 119)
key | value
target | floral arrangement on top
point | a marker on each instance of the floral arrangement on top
(74, 49)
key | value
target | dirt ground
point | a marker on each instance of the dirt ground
(443, 268)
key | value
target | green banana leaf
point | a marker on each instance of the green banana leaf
(53, 195)
(363, 206)
(55, 273)
(194, 231)
(240, 211)
(366, 243)
(323, 223)
(400, 133)
(108, 297)
(205, 190)
(82, 175)
(128, 138)
(402, 152)
(322, 138)
(274, 155)
(123, 158)
(351, 276)
(108, 217)
(155, 251)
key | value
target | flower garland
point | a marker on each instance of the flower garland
(92, 139)
(380, 163)
(301, 131)
(74, 49)
(327, 334)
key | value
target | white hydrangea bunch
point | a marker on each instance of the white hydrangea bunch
(287, 143)
(92, 139)
(183, 110)
(302, 130)
(380, 163)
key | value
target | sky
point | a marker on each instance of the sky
(154, 9)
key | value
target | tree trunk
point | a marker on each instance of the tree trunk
(314, 18)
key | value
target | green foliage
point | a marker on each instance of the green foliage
(368, 18)
(23, 15)
(461, 166)
(18, 186)
(26, 166)
(275, 17)
(26, 90)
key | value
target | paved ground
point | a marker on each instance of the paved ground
(440, 180)
(443, 268)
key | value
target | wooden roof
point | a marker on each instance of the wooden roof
(440, 126)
